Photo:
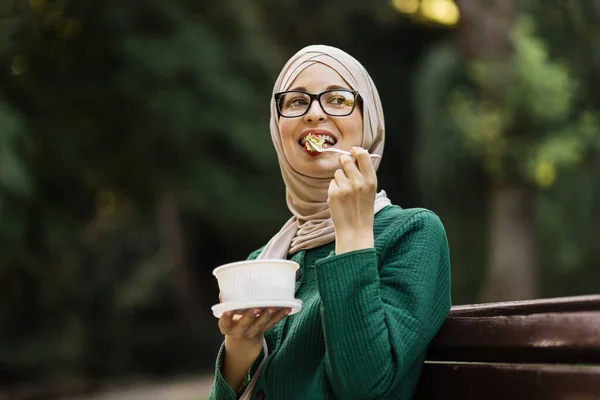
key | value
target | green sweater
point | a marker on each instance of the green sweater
(367, 316)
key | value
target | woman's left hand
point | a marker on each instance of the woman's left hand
(351, 201)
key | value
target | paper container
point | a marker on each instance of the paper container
(257, 280)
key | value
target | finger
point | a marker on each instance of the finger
(278, 316)
(246, 321)
(365, 163)
(341, 179)
(258, 327)
(220, 298)
(226, 322)
(333, 190)
(350, 169)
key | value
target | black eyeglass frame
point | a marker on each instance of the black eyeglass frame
(317, 97)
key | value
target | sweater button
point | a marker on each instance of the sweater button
(260, 395)
(298, 274)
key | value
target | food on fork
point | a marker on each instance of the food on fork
(314, 143)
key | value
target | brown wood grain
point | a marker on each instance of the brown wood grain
(535, 349)
(527, 307)
(477, 381)
(572, 337)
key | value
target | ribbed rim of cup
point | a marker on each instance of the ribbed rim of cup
(222, 268)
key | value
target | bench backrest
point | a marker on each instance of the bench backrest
(539, 349)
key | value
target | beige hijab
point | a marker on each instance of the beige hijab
(311, 224)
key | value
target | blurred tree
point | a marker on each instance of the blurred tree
(133, 158)
(136, 134)
(123, 118)
(516, 110)
(484, 39)
(569, 210)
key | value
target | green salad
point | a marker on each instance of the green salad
(313, 143)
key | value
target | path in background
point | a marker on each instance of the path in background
(191, 389)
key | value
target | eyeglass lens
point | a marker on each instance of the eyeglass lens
(336, 103)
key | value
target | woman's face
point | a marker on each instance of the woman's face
(346, 131)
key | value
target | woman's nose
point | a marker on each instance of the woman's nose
(315, 113)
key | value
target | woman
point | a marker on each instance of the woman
(374, 278)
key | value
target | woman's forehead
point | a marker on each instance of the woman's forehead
(318, 77)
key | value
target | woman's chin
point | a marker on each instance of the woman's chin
(319, 167)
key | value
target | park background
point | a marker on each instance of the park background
(135, 158)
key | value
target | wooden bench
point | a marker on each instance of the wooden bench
(540, 349)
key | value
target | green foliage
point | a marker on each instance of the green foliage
(14, 179)
(530, 119)
(541, 89)
(568, 210)
(448, 176)
(114, 104)
(524, 113)
(439, 148)
(107, 106)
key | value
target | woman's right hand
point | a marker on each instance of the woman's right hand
(244, 339)
(247, 330)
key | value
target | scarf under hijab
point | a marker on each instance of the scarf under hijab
(311, 224)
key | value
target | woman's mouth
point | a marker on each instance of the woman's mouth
(326, 139)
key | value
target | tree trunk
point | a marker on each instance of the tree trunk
(512, 271)
(483, 34)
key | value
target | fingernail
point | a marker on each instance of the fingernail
(287, 312)
(256, 311)
(229, 313)
(271, 311)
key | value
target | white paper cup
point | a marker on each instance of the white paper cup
(253, 280)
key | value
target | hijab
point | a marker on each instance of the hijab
(311, 225)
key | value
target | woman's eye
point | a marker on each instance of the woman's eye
(296, 102)
(340, 100)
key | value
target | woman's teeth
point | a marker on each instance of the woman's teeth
(328, 140)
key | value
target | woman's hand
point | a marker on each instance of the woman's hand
(243, 340)
(248, 329)
(351, 202)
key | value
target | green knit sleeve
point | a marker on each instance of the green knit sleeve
(220, 389)
(381, 308)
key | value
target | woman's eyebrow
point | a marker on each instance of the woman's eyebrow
(330, 87)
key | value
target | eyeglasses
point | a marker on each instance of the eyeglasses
(336, 102)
